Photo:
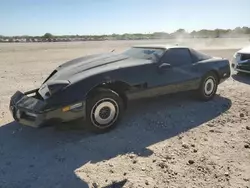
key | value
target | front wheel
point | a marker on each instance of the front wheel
(208, 87)
(104, 110)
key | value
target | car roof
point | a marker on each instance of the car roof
(162, 46)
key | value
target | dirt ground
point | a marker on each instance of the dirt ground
(170, 141)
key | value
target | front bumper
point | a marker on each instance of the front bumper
(241, 66)
(30, 111)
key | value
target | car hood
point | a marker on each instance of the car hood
(91, 65)
(245, 50)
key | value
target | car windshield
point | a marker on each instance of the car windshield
(144, 53)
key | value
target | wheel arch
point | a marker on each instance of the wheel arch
(216, 73)
(119, 87)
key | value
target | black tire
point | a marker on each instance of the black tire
(105, 103)
(208, 87)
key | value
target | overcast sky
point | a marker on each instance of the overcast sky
(62, 17)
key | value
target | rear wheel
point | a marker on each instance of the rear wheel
(208, 87)
(104, 110)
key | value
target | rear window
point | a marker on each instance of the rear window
(199, 56)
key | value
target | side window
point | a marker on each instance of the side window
(177, 57)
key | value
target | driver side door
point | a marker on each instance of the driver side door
(174, 72)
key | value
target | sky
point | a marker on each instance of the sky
(97, 17)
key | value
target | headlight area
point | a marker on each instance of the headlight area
(57, 86)
(236, 59)
(237, 56)
(51, 87)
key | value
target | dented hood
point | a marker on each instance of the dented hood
(83, 67)
(87, 63)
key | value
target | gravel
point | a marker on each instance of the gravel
(169, 137)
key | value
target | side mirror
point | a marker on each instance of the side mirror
(164, 66)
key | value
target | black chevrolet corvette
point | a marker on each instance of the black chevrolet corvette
(96, 88)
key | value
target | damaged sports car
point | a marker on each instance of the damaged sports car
(97, 88)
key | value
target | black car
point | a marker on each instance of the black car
(96, 88)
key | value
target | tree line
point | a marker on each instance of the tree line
(204, 33)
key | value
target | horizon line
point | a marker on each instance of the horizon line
(129, 33)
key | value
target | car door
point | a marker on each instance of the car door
(173, 73)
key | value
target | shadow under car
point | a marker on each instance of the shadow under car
(48, 158)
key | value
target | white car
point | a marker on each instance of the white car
(241, 60)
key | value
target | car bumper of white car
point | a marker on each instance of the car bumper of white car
(241, 67)
(240, 63)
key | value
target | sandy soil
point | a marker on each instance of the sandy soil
(170, 141)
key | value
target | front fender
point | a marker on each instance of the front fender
(75, 92)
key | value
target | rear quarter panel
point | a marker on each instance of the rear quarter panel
(219, 65)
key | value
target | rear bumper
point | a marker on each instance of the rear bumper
(30, 111)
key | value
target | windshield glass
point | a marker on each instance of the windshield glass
(144, 53)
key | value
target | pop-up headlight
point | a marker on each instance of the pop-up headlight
(57, 85)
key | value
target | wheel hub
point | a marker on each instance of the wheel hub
(209, 86)
(104, 113)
